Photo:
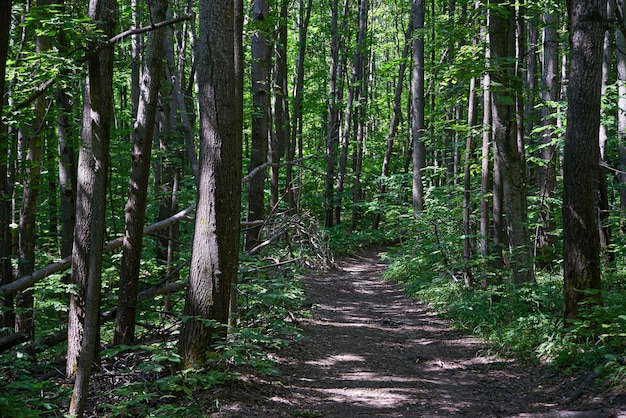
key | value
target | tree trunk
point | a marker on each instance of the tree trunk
(215, 249)
(470, 148)
(84, 321)
(6, 274)
(333, 117)
(510, 152)
(396, 118)
(260, 120)
(25, 319)
(603, 198)
(621, 120)
(581, 241)
(546, 171)
(361, 95)
(296, 126)
(280, 140)
(417, 115)
(141, 151)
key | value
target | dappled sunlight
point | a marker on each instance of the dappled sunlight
(332, 360)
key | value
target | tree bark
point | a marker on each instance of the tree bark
(6, 275)
(84, 321)
(296, 126)
(546, 171)
(509, 149)
(33, 145)
(603, 198)
(417, 116)
(621, 120)
(260, 120)
(139, 172)
(280, 139)
(333, 117)
(215, 249)
(581, 241)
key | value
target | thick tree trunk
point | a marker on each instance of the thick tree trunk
(139, 172)
(508, 147)
(417, 116)
(215, 250)
(581, 241)
(84, 321)
(260, 120)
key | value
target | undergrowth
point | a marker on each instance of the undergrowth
(522, 321)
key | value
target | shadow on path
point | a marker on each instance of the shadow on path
(370, 351)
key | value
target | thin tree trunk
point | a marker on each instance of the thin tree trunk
(296, 126)
(603, 198)
(621, 120)
(361, 95)
(84, 321)
(7, 318)
(280, 140)
(260, 121)
(135, 210)
(333, 117)
(25, 319)
(546, 172)
(470, 148)
(417, 115)
(396, 119)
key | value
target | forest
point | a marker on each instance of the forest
(171, 169)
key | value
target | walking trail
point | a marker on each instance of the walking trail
(371, 351)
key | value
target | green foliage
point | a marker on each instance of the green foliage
(525, 321)
(23, 394)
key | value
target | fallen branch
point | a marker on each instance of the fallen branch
(267, 242)
(61, 265)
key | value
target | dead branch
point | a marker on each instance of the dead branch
(61, 265)
(267, 242)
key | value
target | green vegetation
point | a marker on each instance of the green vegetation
(523, 321)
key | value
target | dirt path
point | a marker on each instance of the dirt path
(372, 352)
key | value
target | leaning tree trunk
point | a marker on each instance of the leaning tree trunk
(215, 248)
(581, 241)
(135, 210)
(84, 315)
(508, 147)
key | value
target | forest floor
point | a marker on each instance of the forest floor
(371, 351)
